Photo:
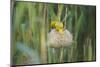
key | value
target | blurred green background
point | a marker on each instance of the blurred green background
(31, 25)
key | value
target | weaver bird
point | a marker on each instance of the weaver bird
(58, 36)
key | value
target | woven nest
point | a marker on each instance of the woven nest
(57, 40)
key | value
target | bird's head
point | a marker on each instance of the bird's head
(53, 24)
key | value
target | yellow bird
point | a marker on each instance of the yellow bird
(58, 26)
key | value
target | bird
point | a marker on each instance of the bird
(58, 36)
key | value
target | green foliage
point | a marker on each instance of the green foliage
(31, 25)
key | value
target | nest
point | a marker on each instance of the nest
(57, 40)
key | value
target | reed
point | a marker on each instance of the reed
(31, 25)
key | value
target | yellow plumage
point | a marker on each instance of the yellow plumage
(53, 24)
